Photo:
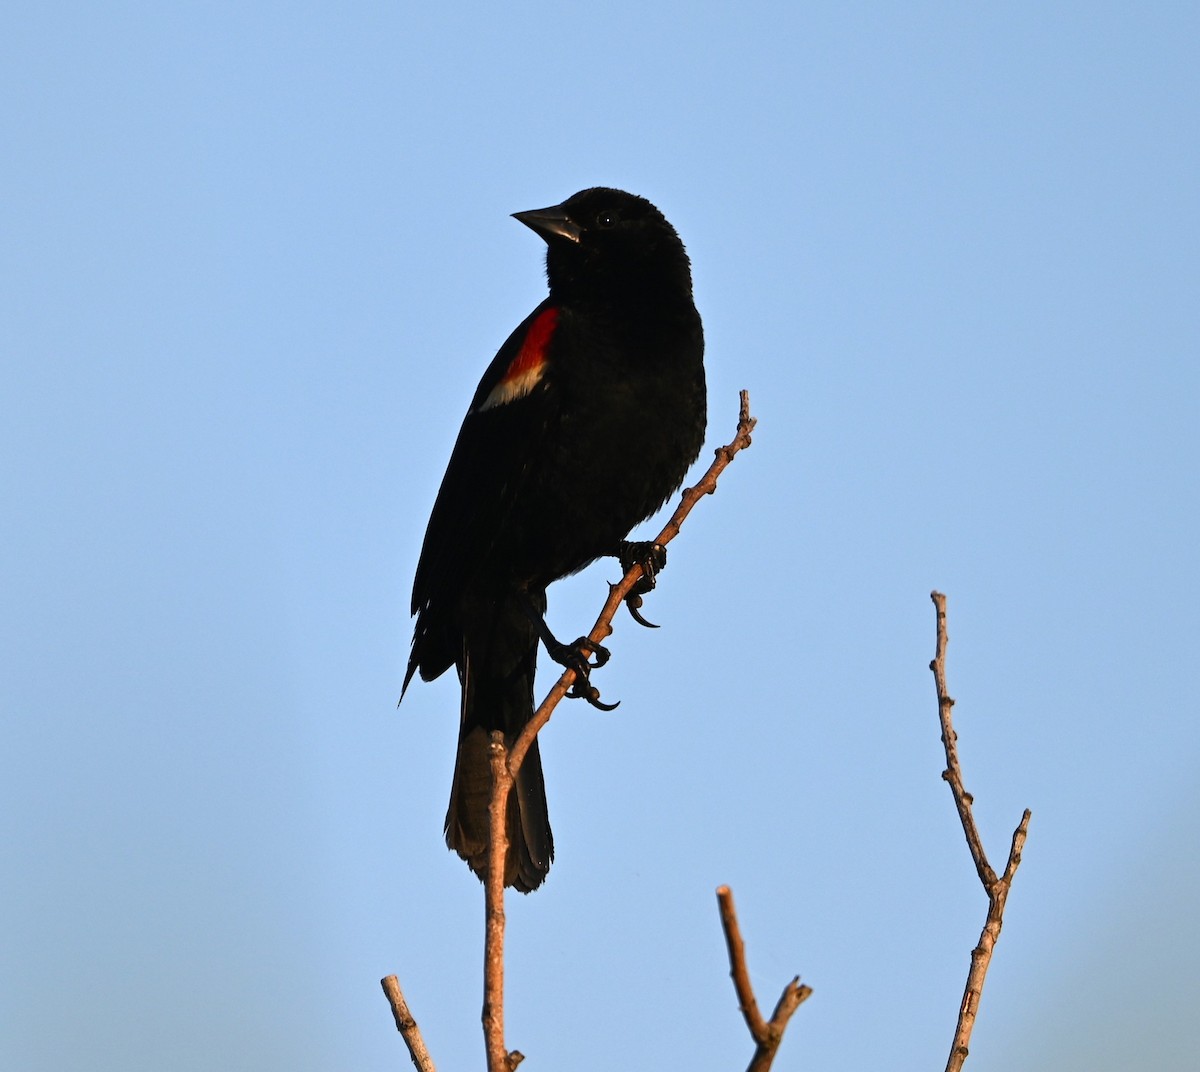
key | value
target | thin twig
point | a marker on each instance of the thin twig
(767, 1034)
(996, 888)
(406, 1025)
(498, 1057)
(617, 593)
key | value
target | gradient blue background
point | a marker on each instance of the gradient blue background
(254, 258)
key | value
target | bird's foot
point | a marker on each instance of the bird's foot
(582, 689)
(652, 557)
(578, 657)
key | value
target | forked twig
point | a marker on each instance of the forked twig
(767, 1034)
(996, 888)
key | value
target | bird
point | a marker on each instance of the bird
(582, 426)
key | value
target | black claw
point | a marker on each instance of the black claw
(652, 557)
(585, 648)
(633, 603)
(581, 657)
(583, 689)
(578, 656)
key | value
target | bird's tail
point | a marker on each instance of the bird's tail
(496, 669)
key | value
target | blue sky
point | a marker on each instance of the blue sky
(253, 259)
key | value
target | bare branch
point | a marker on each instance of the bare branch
(406, 1025)
(504, 766)
(737, 965)
(617, 593)
(996, 888)
(498, 1057)
(506, 763)
(767, 1034)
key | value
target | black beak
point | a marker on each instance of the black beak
(550, 223)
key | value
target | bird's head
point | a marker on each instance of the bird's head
(603, 240)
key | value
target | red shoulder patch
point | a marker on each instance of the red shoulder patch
(528, 367)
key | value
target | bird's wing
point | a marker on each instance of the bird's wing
(499, 441)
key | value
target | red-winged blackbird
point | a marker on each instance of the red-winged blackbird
(582, 426)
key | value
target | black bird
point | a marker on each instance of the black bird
(582, 426)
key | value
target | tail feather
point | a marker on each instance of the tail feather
(496, 670)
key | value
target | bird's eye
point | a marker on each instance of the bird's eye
(606, 218)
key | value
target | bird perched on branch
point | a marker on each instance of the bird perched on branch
(583, 424)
